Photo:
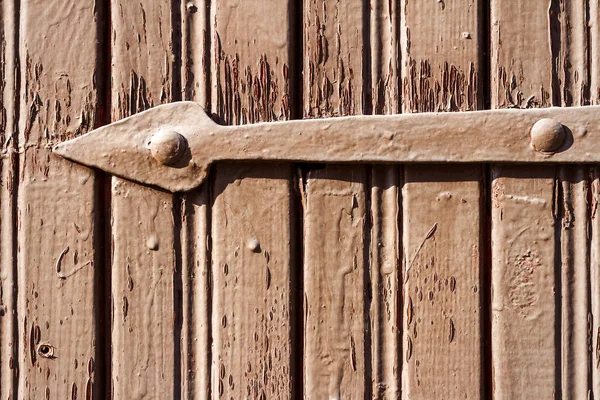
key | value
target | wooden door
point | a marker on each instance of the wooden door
(295, 280)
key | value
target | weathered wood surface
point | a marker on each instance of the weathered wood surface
(277, 281)
(8, 195)
(146, 274)
(336, 344)
(254, 259)
(444, 288)
(540, 285)
(59, 258)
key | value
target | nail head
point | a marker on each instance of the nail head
(167, 147)
(547, 135)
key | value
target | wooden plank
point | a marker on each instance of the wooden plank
(9, 101)
(252, 263)
(444, 284)
(385, 309)
(335, 254)
(539, 58)
(58, 254)
(144, 337)
(524, 306)
(442, 52)
(333, 63)
(575, 282)
(595, 279)
(146, 281)
(337, 348)
(195, 218)
(254, 306)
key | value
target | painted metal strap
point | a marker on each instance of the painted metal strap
(173, 146)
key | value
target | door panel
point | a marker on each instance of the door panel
(59, 260)
(444, 275)
(295, 280)
(538, 60)
(146, 272)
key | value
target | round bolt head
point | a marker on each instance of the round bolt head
(167, 147)
(547, 135)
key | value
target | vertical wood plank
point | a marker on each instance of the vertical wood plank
(60, 67)
(444, 284)
(539, 59)
(524, 331)
(442, 53)
(442, 256)
(252, 261)
(595, 279)
(385, 311)
(9, 102)
(195, 218)
(337, 347)
(253, 258)
(575, 282)
(594, 68)
(146, 342)
(335, 238)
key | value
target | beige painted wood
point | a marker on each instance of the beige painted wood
(58, 310)
(335, 247)
(539, 59)
(595, 278)
(195, 218)
(575, 282)
(9, 102)
(146, 280)
(253, 234)
(524, 305)
(336, 345)
(443, 255)
(594, 69)
(196, 281)
(442, 55)
(444, 285)
(385, 308)
(252, 264)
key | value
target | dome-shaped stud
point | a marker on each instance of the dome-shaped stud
(167, 147)
(547, 135)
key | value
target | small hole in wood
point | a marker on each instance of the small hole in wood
(46, 350)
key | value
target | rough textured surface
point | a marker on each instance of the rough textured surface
(254, 305)
(9, 102)
(444, 288)
(540, 58)
(335, 254)
(442, 55)
(58, 252)
(146, 277)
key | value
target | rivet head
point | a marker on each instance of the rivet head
(167, 147)
(547, 135)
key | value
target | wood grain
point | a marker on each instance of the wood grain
(444, 284)
(539, 59)
(57, 246)
(442, 53)
(195, 218)
(385, 294)
(146, 280)
(335, 246)
(253, 237)
(336, 346)
(9, 102)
